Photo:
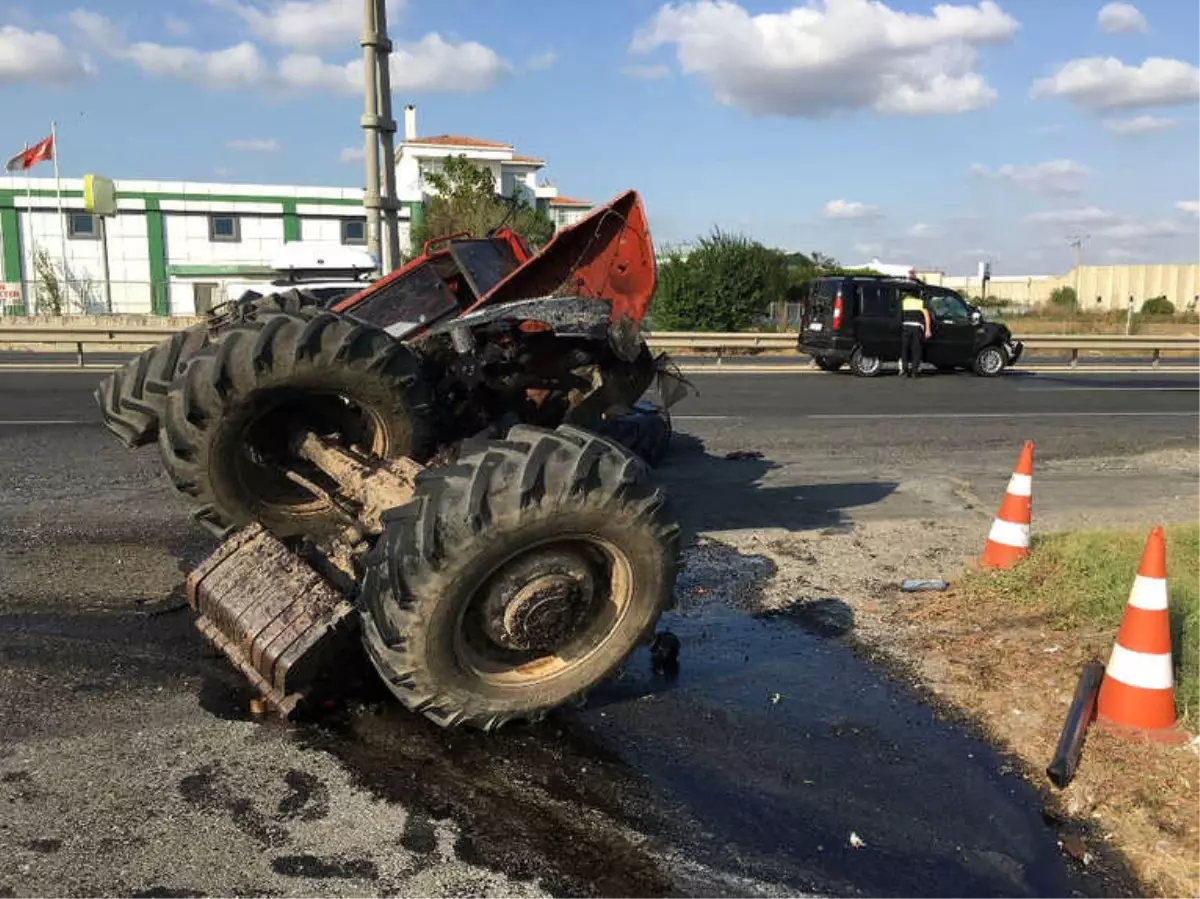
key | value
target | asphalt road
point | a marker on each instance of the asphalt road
(128, 765)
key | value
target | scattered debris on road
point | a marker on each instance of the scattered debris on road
(921, 586)
(856, 842)
(743, 455)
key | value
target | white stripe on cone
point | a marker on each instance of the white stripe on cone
(1141, 669)
(1149, 593)
(1020, 485)
(1009, 533)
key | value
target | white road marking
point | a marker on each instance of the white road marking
(27, 422)
(882, 415)
(1083, 389)
(702, 417)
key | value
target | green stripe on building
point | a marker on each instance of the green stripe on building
(156, 251)
(291, 222)
(213, 198)
(10, 239)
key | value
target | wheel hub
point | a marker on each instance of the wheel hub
(539, 602)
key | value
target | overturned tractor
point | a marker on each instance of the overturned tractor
(450, 465)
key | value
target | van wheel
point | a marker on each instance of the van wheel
(863, 365)
(826, 364)
(989, 362)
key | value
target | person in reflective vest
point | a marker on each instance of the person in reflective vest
(916, 326)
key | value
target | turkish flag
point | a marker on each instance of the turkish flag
(25, 160)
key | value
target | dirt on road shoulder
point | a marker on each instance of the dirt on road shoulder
(1010, 669)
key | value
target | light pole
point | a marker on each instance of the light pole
(379, 127)
(1077, 242)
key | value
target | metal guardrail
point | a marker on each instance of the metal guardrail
(1072, 343)
(145, 336)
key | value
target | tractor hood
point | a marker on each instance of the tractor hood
(606, 256)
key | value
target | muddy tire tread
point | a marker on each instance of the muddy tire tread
(534, 475)
(132, 399)
(263, 352)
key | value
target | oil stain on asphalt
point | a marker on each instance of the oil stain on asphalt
(774, 761)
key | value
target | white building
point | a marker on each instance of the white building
(174, 245)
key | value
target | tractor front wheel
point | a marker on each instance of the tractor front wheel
(519, 578)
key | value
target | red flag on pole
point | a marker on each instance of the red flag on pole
(27, 159)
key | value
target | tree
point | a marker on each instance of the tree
(465, 199)
(51, 298)
(726, 282)
(825, 265)
(1063, 297)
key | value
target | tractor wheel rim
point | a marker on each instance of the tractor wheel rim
(525, 625)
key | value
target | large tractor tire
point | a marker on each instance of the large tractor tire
(519, 578)
(645, 432)
(133, 398)
(226, 437)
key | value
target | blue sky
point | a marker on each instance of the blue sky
(931, 136)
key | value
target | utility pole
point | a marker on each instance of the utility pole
(379, 128)
(1077, 242)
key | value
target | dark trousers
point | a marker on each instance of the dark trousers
(912, 343)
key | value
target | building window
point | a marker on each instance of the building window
(224, 228)
(82, 226)
(354, 231)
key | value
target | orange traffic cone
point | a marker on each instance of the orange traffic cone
(1008, 540)
(1138, 690)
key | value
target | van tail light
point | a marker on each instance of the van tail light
(837, 312)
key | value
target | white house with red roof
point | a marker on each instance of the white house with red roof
(417, 156)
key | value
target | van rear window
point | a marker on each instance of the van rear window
(878, 300)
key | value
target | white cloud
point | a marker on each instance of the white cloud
(38, 57)
(1190, 206)
(542, 61)
(646, 73)
(851, 210)
(1055, 176)
(223, 172)
(177, 28)
(921, 230)
(1142, 124)
(1107, 83)
(1121, 18)
(233, 68)
(830, 55)
(303, 23)
(253, 145)
(1082, 217)
(868, 249)
(352, 155)
(430, 64)
(1108, 225)
(96, 30)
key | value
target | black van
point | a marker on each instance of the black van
(856, 319)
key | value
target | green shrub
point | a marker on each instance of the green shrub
(1158, 306)
(727, 282)
(1064, 298)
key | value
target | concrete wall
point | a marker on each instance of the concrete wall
(1100, 287)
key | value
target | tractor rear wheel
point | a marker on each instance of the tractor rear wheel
(227, 437)
(133, 398)
(519, 578)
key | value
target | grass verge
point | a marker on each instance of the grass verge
(1082, 579)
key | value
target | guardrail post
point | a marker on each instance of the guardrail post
(1075, 357)
(718, 355)
(1157, 353)
(79, 353)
